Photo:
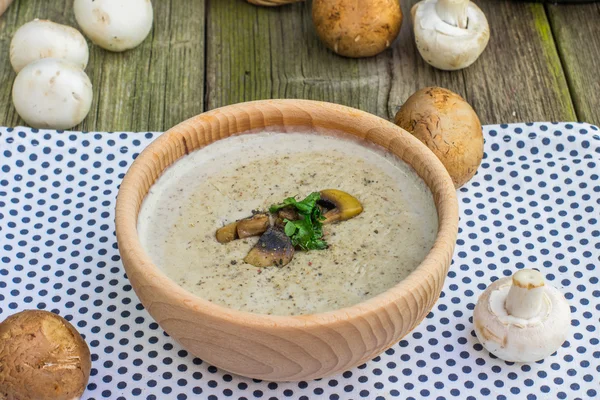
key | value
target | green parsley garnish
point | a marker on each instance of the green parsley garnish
(304, 207)
(305, 232)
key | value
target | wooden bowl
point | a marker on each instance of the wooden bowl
(285, 348)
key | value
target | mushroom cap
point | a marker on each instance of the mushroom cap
(340, 205)
(52, 93)
(252, 226)
(42, 357)
(445, 46)
(357, 28)
(4, 5)
(46, 39)
(449, 126)
(517, 339)
(115, 25)
(273, 248)
(227, 233)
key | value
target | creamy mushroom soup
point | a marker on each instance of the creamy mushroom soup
(228, 179)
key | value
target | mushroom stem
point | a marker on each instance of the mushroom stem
(525, 296)
(453, 12)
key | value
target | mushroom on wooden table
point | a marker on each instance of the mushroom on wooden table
(46, 39)
(52, 93)
(521, 318)
(450, 34)
(357, 28)
(115, 25)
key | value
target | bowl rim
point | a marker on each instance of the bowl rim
(128, 205)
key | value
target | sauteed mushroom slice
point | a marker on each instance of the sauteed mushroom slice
(288, 213)
(337, 205)
(252, 226)
(273, 248)
(227, 233)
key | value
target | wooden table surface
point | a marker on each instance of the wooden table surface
(542, 64)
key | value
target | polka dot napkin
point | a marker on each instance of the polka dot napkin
(535, 202)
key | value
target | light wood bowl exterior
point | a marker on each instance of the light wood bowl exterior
(285, 348)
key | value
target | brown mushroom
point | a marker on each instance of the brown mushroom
(354, 28)
(252, 226)
(338, 205)
(227, 233)
(42, 357)
(287, 213)
(273, 248)
(449, 126)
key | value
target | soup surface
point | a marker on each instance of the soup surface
(228, 179)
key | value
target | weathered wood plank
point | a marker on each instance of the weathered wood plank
(517, 78)
(256, 53)
(577, 33)
(259, 52)
(151, 87)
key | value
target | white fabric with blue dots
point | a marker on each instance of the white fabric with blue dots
(535, 202)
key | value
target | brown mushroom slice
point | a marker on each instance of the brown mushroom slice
(42, 357)
(252, 226)
(288, 213)
(338, 205)
(273, 248)
(227, 233)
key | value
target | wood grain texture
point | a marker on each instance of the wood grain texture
(271, 3)
(517, 78)
(152, 87)
(279, 347)
(259, 53)
(577, 33)
(275, 53)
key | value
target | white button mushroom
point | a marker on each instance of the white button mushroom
(450, 34)
(116, 25)
(52, 93)
(46, 39)
(521, 318)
